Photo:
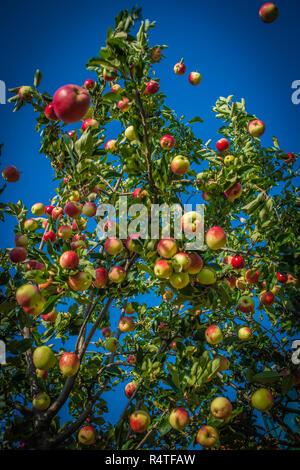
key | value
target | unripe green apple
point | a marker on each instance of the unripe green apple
(179, 280)
(221, 408)
(112, 344)
(262, 399)
(207, 276)
(80, 281)
(229, 160)
(38, 209)
(41, 401)
(44, 358)
(130, 133)
(245, 333)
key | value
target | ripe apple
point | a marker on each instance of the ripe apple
(167, 142)
(106, 332)
(179, 280)
(101, 278)
(256, 128)
(234, 192)
(244, 333)
(73, 209)
(30, 225)
(231, 281)
(51, 236)
(179, 68)
(69, 260)
(126, 324)
(179, 418)
(221, 408)
(32, 265)
(138, 192)
(26, 93)
(38, 209)
(196, 263)
(89, 84)
(71, 103)
(69, 364)
(130, 133)
(57, 213)
(167, 248)
(130, 389)
(131, 360)
(222, 145)
(124, 105)
(252, 276)
(41, 401)
(50, 112)
(156, 55)
(78, 241)
(89, 209)
(246, 304)
(117, 274)
(241, 283)
(237, 261)
(207, 437)
(113, 246)
(89, 124)
(110, 75)
(207, 276)
(11, 174)
(213, 334)
(215, 238)
(139, 421)
(65, 232)
(183, 260)
(87, 435)
(44, 358)
(41, 374)
(80, 281)
(21, 240)
(112, 344)
(229, 160)
(180, 165)
(29, 297)
(282, 278)
(291, 157)
(268, 12)
(18, 254)
(152, 87)
(111, 145)
(224, 364)
(51, 316)
(262, 399)
(49, 209)
(266, 297)
(191, 222)
(116, 88)
(195, 78)
(163, 269)
(80, 224)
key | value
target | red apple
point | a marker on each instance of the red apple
(69, 364)
(50, 112)
(167, 142)
(246, 304)
(71, 103)
(252, 276)
(51, 316)
(117, 274)
(18, 254)
(89, 209)
(213, 334)
(195, 78)
(29, 297)
(124, 104)
(179, 68)
(215, 238)
(196, 263)
(267, 298)
(69, 260)
(139, 421)
(49, 209)
(113, 246)
(180, 165)
(291, 157)
(222, 145)
(89, 84)
(233, 192)
(282, 278)
(51, 236)
(111, 145)
(268, 12)
(131, 360)
(73, 209)
(130, 389)
(116, 88)
(163, 269)
(89, 124)
(152, 87)
(237, 262)
(167, 248)
(256, 128)
(11, 174)
(156, 55)
(87, 435)
(179, 419)
(126, 324)
(101, 278)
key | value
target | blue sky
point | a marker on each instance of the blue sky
(235, 52)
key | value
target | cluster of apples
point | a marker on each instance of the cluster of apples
(126, 325)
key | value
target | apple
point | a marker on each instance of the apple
(38, 209)
(89, 209)
(179, 280)
(167, 248)
(256, 128)
(65, 232)
(167, 142)
(113, 246)
(87, 436)
(69, 260)
(180, 165)
(26, 93)
(138, 192)
(41, 374)
(112, 344)
(29, 297)
(49, 209)
(130, 389)
(207, 437)
(222, 145)
(124, 105)
(51, 316)
(163, 269)
(262, 399)
(196, 263)
(156, 55)
(116, 88)
(126, 324)
(183, 260)
(71, 134)
(252, 276)
(152, 87)
(18, 254)
(244, 333)
(246, 304)
(57, 213)
(221, 408)
(117, 274)
(213, 334)
(89, 84)
(51, 236)
(266, 297)
(50, 112)
(195, 78)
(231, 281)
(32, 265)
(69, 364)
(130, 133)
(41, 401)
(80, 281)
(110, 75)
(71, 103)
(89, 124)
(205, 196)
(179, 68)
(191, 222)
(215, 238)
(111, 145)
(80, 224)
(132, 244)
(11, 174)
(44, 358)
(78, 241)
(241, 284)
(179, 419)
(224, 364)
(139, 421)
(129, 309)
(229, 160)
(73, 209)
(237, 261)
(21, 240)
(234, 192)
(106, 332)
(227, 259)
(75, 196)
(268, 12)
(131, 360)
(101, 278)
(291, 157)
(207, 276)
(168, 295)
(30, 225)
(282, 278)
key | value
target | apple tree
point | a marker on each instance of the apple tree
(210, 365)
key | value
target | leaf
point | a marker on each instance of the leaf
(37, 78)
(165, 426)
(196, 119)
(266, 377)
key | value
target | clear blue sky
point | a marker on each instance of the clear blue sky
(233, 49)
